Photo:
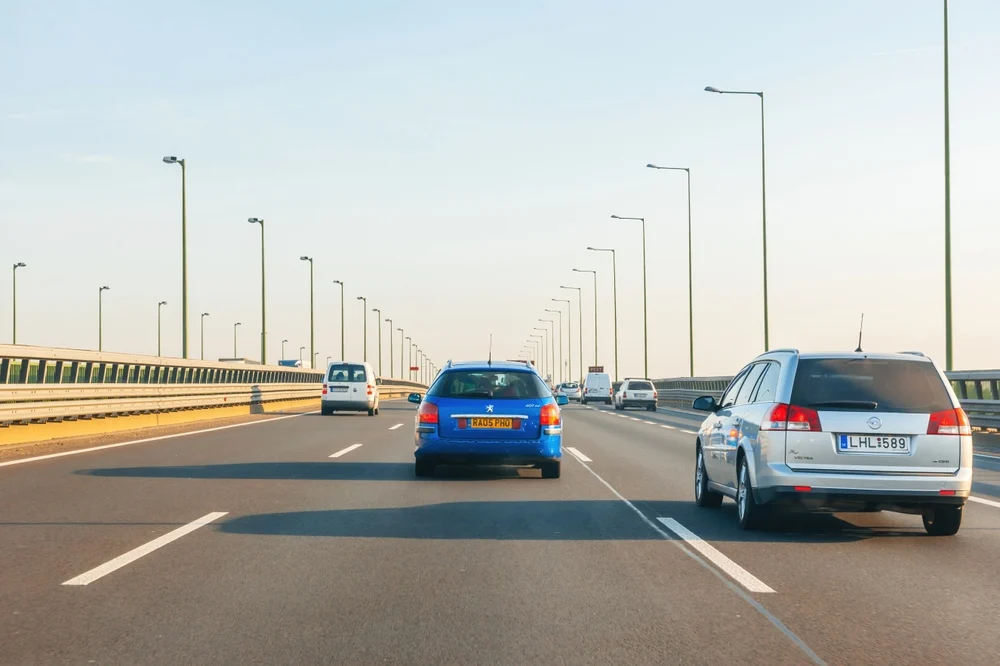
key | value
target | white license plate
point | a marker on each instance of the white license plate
(873, 444)
(338, 389)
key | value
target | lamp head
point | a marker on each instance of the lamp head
(712, 89)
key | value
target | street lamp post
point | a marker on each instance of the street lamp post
(364, 317)
(420, 366)
(579, 328)
(645, 314)
(540, 351)
(301, 351)
(19, 264)
(763, 191)
(342, 356)
(560, 342)
(687, 171)
(100, 317)
(159, 327)
(409, 357)
(283, 348)
(402, 335)
(614, 295)
(184, 278)
(947, 206)
(569, 333)
(203, 315)
(550, 361)
(378, 322)
(391, 353)
(583, 270)
(263, 294)
(312, 318)
(236, 327)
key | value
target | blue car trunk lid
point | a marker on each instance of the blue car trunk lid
(489, 419)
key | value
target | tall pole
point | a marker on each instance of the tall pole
(389, 321)
(582, 270)
(948, 340)
(100, 317)
(540, 354)
(645, 311)
(378, 321)
(342, 356)
(19, 264)
(763, 185)
(159, 327)
(263, 294)
(409, 357)
(184, 288)
(283, 348)
(236, 327)
(312, 317)
(301, 351)
(402, 374)
(560, 343)
(203, 315)
(579, 310)
(364, 317)
(569, 334)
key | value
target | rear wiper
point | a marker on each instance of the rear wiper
(477, 394)
(849, 404)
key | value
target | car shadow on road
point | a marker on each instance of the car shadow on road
(395, 407)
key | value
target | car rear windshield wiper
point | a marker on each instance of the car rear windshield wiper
(476, 394)
(847, 404)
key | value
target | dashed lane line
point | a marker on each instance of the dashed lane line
(345, 451)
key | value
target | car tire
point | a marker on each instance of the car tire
(371, 411)
(551, 470)
(704, 496)
(423, 468)
(751, 515)
(943, 520)
(326, 411)
(583, 401)
(608, 401)
(652, 408)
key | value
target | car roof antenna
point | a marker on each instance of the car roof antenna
(490, 360)
(860, 331)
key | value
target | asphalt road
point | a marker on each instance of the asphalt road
(300, 557)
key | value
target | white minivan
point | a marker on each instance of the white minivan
(350, 387)
(597, 387)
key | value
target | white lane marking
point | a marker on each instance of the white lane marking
(735, 571)
(145, 549)
(344, 451)
(985, 456)
(632, 418)
(621, 416)
(649, 423)
(736, 589)
(668, 427)
(21, 461)
(984, 501)
(580, 456)
(689, 432)
(398, 425)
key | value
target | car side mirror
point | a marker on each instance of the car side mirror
(562, 400)
(705, 403)
(414, 398)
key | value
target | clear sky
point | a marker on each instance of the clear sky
(452, 160)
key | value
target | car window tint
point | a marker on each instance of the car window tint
(640, 386)
(347, 373)
(894, 385)
(730, 395)
(571, 385)
(489, 384)
(743, 397)
(767, 388)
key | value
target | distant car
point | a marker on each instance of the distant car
(597, 387)
(636, 393)
(571, 390)
(836, 432)
(349, 387)
(482, 413)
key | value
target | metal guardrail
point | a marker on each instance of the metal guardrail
(977, 390)
(41, 384)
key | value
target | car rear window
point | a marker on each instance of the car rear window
(571, 385)
(893, 385)
(489, 384)
(347, 373)
(640, 386)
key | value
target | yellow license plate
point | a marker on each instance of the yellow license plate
(492, 423)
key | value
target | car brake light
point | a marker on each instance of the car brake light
(791, 417)
(624, 394)
(949, 422)
(324, 389)
(803, 489)
(370, 387)
(427, 413)
(946, 492)
(550, 415)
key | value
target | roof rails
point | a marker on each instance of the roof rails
(787, 350)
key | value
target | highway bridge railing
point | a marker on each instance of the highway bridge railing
(977, 391)
(43, 384)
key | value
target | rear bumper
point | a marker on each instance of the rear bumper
(349, 405)
(507, 452)
(638, 403)
(827, 499)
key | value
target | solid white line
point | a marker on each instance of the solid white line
(778, 624)
(149, 439)
(580, 456)
(690, 432)
(986, 456)
(668, 427)
(984, 501)
(735, 571)
(347, 450)
(145, 549)
(398, 425)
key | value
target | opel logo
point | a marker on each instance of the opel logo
(874, 423)
(489, 409)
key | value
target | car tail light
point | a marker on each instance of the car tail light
(949, 422)
(791, 417)
(550, 415)
(656, 396)
(947, 493)
(427, 413)
(370, 389)
(324, 389)
(624, 394)
(803, 489)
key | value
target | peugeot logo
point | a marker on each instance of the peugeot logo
(874, 423)
(489, 409)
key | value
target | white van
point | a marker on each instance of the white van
(349, 387)
(597, 387)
